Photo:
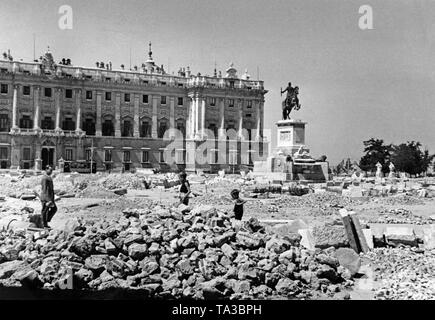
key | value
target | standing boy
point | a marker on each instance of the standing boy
(184, 190)
(238, 204)
(47, 197)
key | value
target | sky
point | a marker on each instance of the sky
(354, 84)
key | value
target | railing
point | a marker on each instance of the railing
(132, 77)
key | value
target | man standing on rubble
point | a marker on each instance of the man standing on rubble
(49, 207)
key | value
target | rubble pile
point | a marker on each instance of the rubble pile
(326, 203)
(399, 216)
(172, 253)
(406, 273)
(399, 199)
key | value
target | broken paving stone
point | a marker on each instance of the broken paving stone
(349, 259)
(96, 263)
(8, 268)
(120, 192)
(286, 286)
(137, 251)
(228, 251)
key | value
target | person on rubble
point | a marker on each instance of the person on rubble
(49, 207)
(184, 191)
(238, 204)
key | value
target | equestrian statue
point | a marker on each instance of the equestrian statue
(291, 101)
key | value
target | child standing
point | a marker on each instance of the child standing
(184, 190)
(238, 204)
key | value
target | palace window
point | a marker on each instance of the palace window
(26, 154)
(163, 100)
(127, 129)
(88, 95)
(213, 128)
(26, 90)
(145, 98)
(231, 84)
(89, 127)
(108, 155)
(68, 124)
(108, 96)
(4, 88)
(47, 92)
(108, 129)
(26, 122)
(179, 157)
(145, 156)
(248, 115)
(68, 93)
(88, 154)
(180, 101)
(231, 103)
(249, 104)
(145, 129)
(232, 157)
(47, 124)
(212, 102)
(126, 156)
(68, 154)
(3, 153)
(4, 123)
(162, 128)
(162, 156)
(126, 97)
(181, 127)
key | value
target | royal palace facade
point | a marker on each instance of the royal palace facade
(76, 117)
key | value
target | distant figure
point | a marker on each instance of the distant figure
(184, 190)
(238, 204)
(49, 207)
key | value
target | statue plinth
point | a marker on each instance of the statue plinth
(290, 136)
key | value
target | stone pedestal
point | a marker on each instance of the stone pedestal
(290, 136)
(291, 160)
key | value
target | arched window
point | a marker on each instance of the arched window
(89, 126)
(47, 123)
(68, 124)
(181, 127)
(145, 128)
(108, 129)
(163, 126)
(127, 128)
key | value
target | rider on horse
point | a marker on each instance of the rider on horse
(291, 101)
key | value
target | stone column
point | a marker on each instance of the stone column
(57, 96)
(117, 114)
(15, 109)
(240, 125)
(36, 92)
(172, 112)
(259, 117)
(98, 120)
(136, 116)
(189, 127)
(202, 124)
(154, 128)
(78, 97)
(222, 130)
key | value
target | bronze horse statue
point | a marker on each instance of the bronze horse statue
(290, 103)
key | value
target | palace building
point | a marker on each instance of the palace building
(71, 117)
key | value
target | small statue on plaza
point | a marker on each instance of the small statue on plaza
(291, 101)
(392, 169)
(378, 170)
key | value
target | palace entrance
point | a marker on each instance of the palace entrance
(47, 154)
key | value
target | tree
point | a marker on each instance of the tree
(408, 157)
(375, 151)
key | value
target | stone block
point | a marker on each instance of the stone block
(307, 240)
(369, 237)
(429, 237)
(400, 235)
(349, 259)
